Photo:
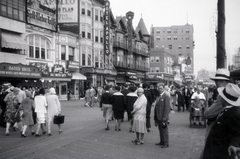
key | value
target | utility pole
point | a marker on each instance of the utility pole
(221, 52)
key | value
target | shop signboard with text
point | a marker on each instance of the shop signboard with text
(42, 14)
(68, 15)
(19, 71)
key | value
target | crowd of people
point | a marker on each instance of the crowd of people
(23, 108)
(221, 107)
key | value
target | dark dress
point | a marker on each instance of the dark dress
(27, 105)
(148, 95)
(118, 105)
(130, 100)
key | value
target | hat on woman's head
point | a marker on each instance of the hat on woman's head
(230, 93)
(52, 91)
(222, 74)
(15, 90)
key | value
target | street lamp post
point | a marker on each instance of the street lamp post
(79, 51)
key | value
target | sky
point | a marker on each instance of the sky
(202, 14)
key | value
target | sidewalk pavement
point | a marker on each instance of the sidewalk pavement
(84, 137)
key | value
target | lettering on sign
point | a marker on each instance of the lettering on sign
(107, 28)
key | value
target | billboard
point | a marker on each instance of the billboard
(68, 15)
(42, 13)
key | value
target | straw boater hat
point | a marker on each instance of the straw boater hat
(230, 93)
(222, 74)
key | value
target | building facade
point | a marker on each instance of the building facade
(179, 41)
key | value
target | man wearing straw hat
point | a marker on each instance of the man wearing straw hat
(222, 78)
(226, 130)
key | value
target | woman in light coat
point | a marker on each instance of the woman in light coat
(40, 108)
(54, 108)
(139, 116)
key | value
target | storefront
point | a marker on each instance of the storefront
(20, 75)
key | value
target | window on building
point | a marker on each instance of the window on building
(169, 31)
(89, 56)
(169, 38)
(175, 31)
(89, 30)
(89, 10)
(83, 31)
(31, 46)
(37, 46)
(157, 69)
(84, 56)
(187, 30)
(71, 53)
(97, 57)
(43, 51)
(96, 14)
(158, 38)
(187, 38)
(83, 8)
(187, 47)
(101, 16)
(96, 36)
(175, 38)
(63, 52)
(170, 46)
(101, 36)
(179, 47)
(157, 59)
(152, 59)
(158, 31)
(151, 69)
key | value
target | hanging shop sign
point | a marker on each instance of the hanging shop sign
(42, 14)
(72, 65)
(19, 71)
(56, 75)
(130, 74)
(41, 66)
(58, 68)
(107, 28)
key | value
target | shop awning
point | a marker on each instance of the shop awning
(56, 79)
(78, 76)
(13, 41)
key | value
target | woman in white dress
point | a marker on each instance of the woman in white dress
(54, 108)
(40, 108)
(139, 116)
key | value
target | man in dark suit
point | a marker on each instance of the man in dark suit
(226, 130)
(148, 95)
(187, 97)
(161, 116)
(125, 91)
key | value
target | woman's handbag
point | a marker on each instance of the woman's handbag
(58, 119)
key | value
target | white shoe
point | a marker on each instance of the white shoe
(172, 111)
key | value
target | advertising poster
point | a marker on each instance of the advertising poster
(42, 13)
(68, 16)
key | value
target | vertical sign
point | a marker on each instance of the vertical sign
(130, 16)
(106, 28)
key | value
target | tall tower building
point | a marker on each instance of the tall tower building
(178, 39)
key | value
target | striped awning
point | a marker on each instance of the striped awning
(14, 41)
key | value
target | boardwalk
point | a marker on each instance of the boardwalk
(84, 137)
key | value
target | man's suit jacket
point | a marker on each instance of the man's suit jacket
(225, 132)
(148, 95)
(162, 107)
